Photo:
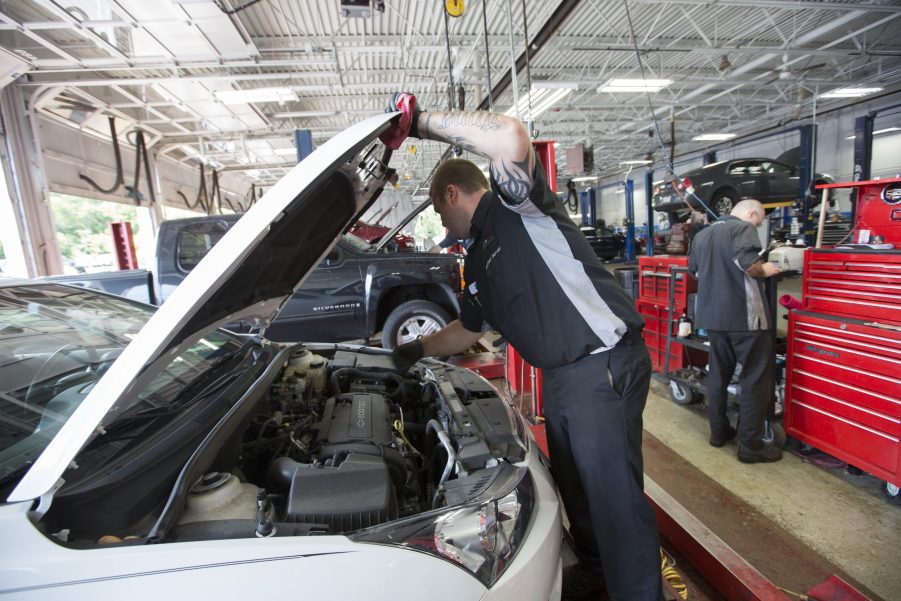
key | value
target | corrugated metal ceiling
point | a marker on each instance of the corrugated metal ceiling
(737, 65)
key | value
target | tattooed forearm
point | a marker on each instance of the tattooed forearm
(452, 127)
(481, 120)
(514, 178)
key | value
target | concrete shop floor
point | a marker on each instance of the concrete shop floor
(795, 522)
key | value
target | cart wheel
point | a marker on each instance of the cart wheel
(892, 493)
(681, 393)
(774, 433)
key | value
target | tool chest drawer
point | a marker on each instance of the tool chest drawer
(843, 390)
(864, 284)
(654, 281)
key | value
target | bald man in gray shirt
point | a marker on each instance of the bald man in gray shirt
(726, 257)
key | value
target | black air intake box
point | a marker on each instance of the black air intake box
(356, 494)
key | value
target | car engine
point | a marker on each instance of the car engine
(343, 442)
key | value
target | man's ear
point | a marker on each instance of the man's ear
(452, 194)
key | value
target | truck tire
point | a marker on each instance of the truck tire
(411, 320)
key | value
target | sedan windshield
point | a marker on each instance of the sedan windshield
(55, 343)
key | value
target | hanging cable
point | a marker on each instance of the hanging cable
(216, 193)
(116, 153)
(203, 199)
(141, 158)
(525, 24)
(669, 163)
(487, 55)
(450, 62)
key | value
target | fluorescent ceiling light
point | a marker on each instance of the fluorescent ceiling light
(713, 137)
(850, 92)
(541, 100)
(634, 85)
(879, 131)
(302, 114)
(285, 152)
(256, 95)
(636, 162)
(555, 85)
(584, 179)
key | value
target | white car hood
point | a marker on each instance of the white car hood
(247, 276)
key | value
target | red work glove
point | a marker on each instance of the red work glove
(406, 125)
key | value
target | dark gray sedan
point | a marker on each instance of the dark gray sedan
(721, 185)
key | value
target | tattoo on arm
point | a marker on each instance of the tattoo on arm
(514, 178)
(452, 128)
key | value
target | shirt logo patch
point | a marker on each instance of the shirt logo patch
(473, 289)
(491, 257)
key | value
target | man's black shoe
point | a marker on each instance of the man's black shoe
(718, 441)
(766, 454)
(582, 584)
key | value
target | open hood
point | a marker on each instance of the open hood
(247, 277)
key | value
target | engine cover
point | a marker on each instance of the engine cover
(359, 417)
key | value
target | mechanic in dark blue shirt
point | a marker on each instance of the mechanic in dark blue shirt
(532, 276)
(727, 259)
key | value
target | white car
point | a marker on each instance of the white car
(151, 455)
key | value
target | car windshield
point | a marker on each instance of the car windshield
(55, 342)
(357, 243)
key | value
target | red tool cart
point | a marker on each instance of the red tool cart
(843, 389)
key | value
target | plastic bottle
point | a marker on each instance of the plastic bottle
(684, 325)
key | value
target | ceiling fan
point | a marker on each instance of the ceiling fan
(786, 72)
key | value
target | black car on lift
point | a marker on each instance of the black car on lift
(721, 185)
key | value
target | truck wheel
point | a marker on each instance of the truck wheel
(411, 320)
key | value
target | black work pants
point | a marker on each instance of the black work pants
(754, 350)
(593, 412)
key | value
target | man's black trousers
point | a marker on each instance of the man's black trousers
(754, 350)
(593, 412)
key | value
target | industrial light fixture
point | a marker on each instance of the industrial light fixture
(542, 96)
(286, 152)
(879, 131)
(850, 92)
(634, 85)
(256, 95)
(584, 179)
(636, 162)
(713, 137)
(304, 114)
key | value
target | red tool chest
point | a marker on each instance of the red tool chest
(859, 283)
(843, 390)
(654, 281)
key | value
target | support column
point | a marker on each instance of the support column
(630, 220)
(649, 202)
(35, 232)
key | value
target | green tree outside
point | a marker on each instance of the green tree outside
(82, 227)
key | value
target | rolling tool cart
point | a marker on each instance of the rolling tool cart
(843, 391)
(688, 384)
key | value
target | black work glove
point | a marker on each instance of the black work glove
(405, 355)
(407, 123)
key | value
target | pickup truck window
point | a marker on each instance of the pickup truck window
(195, 240)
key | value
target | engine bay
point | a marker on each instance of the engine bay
(345, 442)
(337, 441)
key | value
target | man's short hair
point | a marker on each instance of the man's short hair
(458, 172)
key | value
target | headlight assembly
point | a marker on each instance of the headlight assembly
(481, 537)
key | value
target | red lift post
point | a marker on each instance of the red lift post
(123, 245)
